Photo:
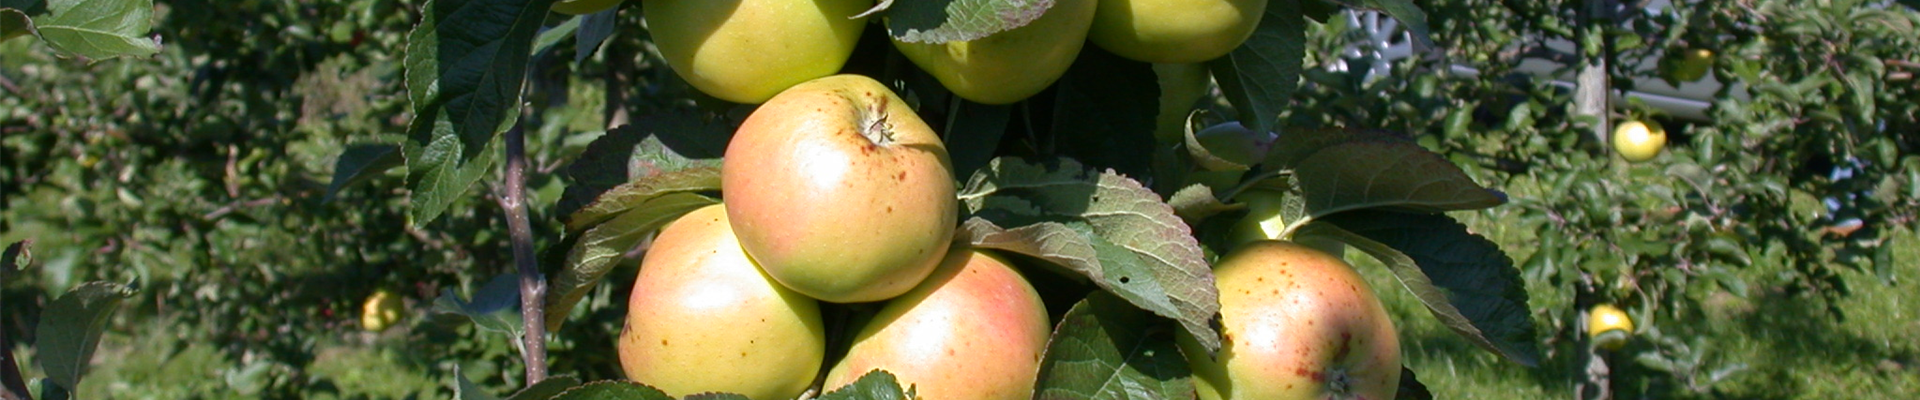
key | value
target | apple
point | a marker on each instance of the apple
(1608, 326)
(1639, 141)
(1265, 222)
(381, 311)
(974, 330)
(840, 191)
(703, 318)
(580, 7)
(1181, 84)
(1297, 323)
(1693, 65)
(746, 51)
(1174, 31)
(1012, 65)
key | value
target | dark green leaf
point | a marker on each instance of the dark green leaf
(1411, 388)
(17, 256)
(495, 306)
(875, 385)
(1105, 348)
(653, 145)
(464, 389)
(1398, 176)
(606, 246)
(973, 133)
(940, 21)
(594, 29)
(551, 36)
(70, 328)
(1103, 112)
(1101, 225)
(360, 163)
(613, 390)
(1463, 278)
(14, 23)
(1259, 77)
(98, 29)
(631, 195)
(466, 63)
(546, 389)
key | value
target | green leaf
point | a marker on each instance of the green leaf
(466, 63)
(875, 385)
(613, 390)
(1100, 225)
(636, 194)
(1105, 348)
(18, 255)
(606, 245)
(359, 163)
(1104, 111)
(1463, 278)
(944, 21)
(98, 29)
(464, 389)
(973, 134)
(1195, 203)
(1394, 175)
(1410, 16)
(1411, 388)
(495, 306)
(594, 30)
(14, 23)
(551, 36)
(1259, 77)
(70, 328)
(546, 389)
(654, 145)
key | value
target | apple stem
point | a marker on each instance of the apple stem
(520, 232)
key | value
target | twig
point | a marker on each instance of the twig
(532, 286)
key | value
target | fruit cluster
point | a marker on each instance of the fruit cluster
(835, 191)
(746, 51)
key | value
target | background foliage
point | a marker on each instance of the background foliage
(202, 173)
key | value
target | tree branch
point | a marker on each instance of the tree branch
(519, 230)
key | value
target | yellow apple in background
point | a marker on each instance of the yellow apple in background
(840, 191)
(1180, 86)
(702, 318)
(1174, 31)
(1298, 324)
(1608, 326)
(381, 311)
(1012, 65)
(746, 51)
(974, 330)
(1639, 141)
(578, 7)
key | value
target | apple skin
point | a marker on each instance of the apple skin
(1174, 31)
(1008, 66)
(579, 7)
(840, 191)
(1693, 65)
(703, 318)
(1180, 86)
(1639, 141)
(1298, 324)
(975, 329)
(746, 51)
(1605, 318)
(382, 309)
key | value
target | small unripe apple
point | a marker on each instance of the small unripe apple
(1012, 65)
(1608, 327)
(1296, 323)
(1174, 31)
(840, 191)
(381, 311)
(1181, 85)
(1692, 66)
(746, 51)
(578, 7)
(702, 318)
(974, 330)
(1639, 141)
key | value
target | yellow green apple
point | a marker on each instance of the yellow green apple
(1174, 31)
(974, 330)
(1012, 65)
(1639, 141)
(840, 191)
(702, 318)
(1297, 323)
(746, 51)
(1181, 84)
